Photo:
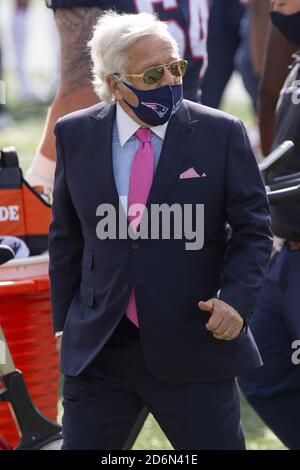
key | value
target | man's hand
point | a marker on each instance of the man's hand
(58, 343)
(225, 322)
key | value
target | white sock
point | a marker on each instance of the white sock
(41, 173)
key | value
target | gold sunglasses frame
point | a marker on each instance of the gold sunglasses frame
(165, 66)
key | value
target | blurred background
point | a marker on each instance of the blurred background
(30, 72)
(29, 91)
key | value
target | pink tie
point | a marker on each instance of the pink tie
(141, 177)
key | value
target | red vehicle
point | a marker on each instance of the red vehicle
(37, 431)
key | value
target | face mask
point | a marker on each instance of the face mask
(288, 25)
(158, 105)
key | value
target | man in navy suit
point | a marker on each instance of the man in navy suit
(153, 320)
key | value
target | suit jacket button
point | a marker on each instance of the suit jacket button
(135, 246)
(125, 287)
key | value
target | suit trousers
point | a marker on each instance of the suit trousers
(102, 404)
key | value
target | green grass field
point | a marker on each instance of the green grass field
(25, 134)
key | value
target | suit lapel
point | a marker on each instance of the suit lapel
(101, 138)
(173, 154)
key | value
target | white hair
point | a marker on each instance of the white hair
(112, 35)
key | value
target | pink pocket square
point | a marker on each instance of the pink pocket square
(190, 173)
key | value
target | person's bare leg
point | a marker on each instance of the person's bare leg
(75, 91)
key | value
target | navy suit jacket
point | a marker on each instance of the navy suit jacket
(91, 279)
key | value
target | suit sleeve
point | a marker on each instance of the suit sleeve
(247, 212)
(65, 243)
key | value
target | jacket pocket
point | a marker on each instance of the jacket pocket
(87, 259)
(185, 183)
(87, 294)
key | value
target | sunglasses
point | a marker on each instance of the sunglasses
(155, 74)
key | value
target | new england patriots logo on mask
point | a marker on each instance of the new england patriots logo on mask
(158, 108)
(164, 101)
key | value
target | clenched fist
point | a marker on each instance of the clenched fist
(225, 322)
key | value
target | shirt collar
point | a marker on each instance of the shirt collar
(127, 126)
